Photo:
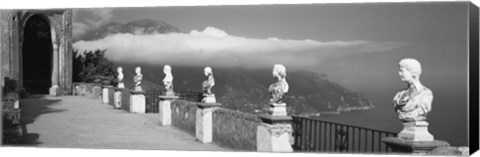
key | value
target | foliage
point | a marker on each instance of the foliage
(11, 85)
(92, 65)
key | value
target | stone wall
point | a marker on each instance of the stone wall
(11, 29)
(234, 129)
(183, 115)
(8, 47)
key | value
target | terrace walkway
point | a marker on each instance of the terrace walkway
(80, 122)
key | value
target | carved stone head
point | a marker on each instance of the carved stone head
(138, 70)
(409, 69)
(119, 70)
(167, 69)
(207, 71)
(279, 71)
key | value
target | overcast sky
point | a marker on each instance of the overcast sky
(349, 42)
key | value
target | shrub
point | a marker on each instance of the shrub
(92, 65)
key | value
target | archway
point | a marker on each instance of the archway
(37, 54)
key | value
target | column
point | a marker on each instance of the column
(67, 25)
(165, 110)
(414, 138)
(137, 102)
(117, 98)
(96, 91)
(55, 89)
(204, 121)
(1, 76)
(274, 134)
(106, 93)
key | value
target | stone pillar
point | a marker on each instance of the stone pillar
(209, 98)
(165, 110)
(105, 94)
(414, 138)
(117, 98)
(67, 26)
(203, 121)
(277, 109)
(415, 131)
(1, 76)
(274, 134)
(137, 102)
(413, 147)
(55, 89)
(96, 91)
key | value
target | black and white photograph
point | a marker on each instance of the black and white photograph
(361, 78)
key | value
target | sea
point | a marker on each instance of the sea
(448, 119)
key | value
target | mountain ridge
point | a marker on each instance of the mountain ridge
(243, 89)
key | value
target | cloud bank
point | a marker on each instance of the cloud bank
(85, 20)
(215, 47)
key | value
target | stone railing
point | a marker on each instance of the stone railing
(183, 115)
(234, 129)
(210, 122)
(90, 90)
(231, 129)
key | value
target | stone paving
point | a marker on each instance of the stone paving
(80, 122)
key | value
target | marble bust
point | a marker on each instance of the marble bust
(208, 96)
(167, 81)
(413, 103)
(209, 82)
(278, 89)
(138, 79)
(120, 77)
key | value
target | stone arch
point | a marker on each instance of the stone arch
(36, 53)
(13, 23)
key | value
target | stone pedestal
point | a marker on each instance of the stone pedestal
(165, 110)
(277, 109)
(413, 147)
(203, 122)
(209, 98)
(105, 94)
(415, 131)
(120, 85)
(96, 91)
(137, 102)
(274, 134)
(117, 98)
(54, 90)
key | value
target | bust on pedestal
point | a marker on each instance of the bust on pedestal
(275, 133)
(164, 105)
(412, 106)
(208, 96)
(54, 90)
(106, 93)
(117, 96)
(204, 113)
(137, 97)
(138, 79)
(120, 78)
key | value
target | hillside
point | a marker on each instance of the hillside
(239, 88)
(246, 89)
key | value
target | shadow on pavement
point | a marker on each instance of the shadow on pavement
(32, 107)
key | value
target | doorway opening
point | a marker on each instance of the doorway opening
(37, 55)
